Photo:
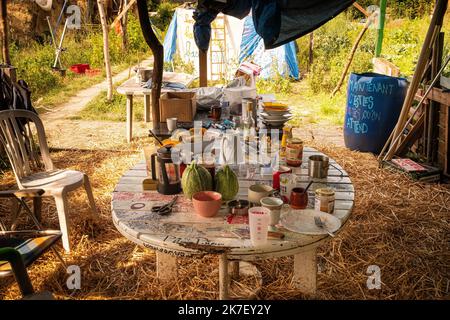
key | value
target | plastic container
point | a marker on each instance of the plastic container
(374, 102)
(79, 68)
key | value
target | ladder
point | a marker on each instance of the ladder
(217, 48)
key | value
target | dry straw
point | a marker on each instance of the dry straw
(398, 224)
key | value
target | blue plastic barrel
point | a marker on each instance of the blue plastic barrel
(374, 102)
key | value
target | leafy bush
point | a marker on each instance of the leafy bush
(34, 61)
(410, 9)
(164, 15)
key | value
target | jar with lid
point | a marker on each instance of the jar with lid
(294, 152)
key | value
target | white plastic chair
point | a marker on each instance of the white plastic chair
(33, 167)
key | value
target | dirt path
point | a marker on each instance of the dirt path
(64, 133)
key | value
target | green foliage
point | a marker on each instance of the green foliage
(277, 83)
(397, 8)
(332, 45)
(164, 15)
(179, 65)
(34, 61)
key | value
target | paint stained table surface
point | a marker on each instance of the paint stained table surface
(184, 233)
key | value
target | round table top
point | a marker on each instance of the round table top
(184, 233)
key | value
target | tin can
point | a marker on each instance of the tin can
(294, 152)
(324, 200)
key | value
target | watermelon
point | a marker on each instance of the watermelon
(195, 178)
(226, 183)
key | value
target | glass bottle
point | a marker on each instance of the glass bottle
(225, 106)
(287, 135)
(249, 123)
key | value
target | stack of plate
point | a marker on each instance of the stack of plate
(275, 114)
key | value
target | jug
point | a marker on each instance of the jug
(168, 172)
(231, 151)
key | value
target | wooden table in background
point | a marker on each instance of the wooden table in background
(130, 88)
(184, 233)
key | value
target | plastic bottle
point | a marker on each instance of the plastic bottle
(225, 106)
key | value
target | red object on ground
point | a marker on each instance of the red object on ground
(93, 72)
(80, 68)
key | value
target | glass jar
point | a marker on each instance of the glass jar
(294, 152)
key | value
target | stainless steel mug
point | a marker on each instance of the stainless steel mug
(318, 166)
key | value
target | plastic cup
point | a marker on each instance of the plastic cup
(171, 124)
(259, 219)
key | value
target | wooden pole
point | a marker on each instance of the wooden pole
(101, 11)
(5, 39)
(380, 28)
(433, 31)
(311, 52)
(203, 66)
(361, 9)
(124, 24)
(158, 57)
(123, 13)
(352, 53)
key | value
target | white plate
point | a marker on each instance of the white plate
(275, 122)
(302, 221)
(277, 112)
(276, 117)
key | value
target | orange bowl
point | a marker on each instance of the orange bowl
(207, 203)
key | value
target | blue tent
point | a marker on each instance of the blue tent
(281, 60)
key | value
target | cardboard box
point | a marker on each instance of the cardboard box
(177, 104)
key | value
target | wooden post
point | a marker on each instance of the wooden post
(305, 271)
(203, 66)
(101, 11)
(158, 57)
(124, 24)
(434, 28)
(311, 52)
(380, 28)
(5, 39)
(433, 115)
(166, 266)
(223, 277)
(234, 269)
(129, 117)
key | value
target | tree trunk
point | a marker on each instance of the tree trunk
(123, 23)
(5, 41)
(105, 30)
(311, 52)
(158, 53)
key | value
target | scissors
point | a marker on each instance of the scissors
(165, 209)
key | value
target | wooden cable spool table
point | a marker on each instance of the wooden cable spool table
(183, 233)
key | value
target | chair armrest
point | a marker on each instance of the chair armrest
(20, 272)
(24, 193)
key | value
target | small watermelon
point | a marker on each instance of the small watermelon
(227, 183)
(195, 178)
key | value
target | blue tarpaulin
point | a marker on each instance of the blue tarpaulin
(170, 40)
(282, 60)
(276, 21)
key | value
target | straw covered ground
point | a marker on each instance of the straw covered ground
(397, 224)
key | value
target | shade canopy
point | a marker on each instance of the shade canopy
(276, 21)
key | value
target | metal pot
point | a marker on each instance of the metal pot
(318, 166)
(238, 207)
